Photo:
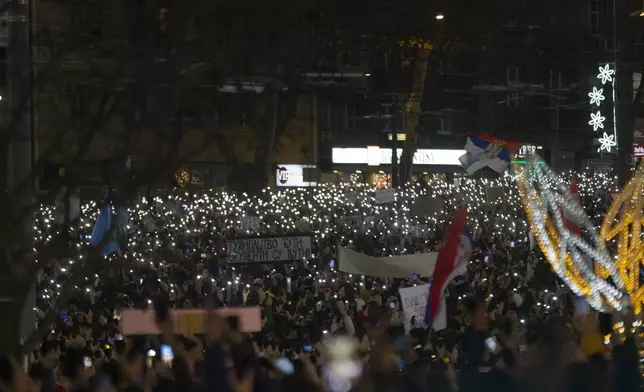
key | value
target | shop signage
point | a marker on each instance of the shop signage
(527, 150)
(376, 156)
(293, 176)
(638, 151)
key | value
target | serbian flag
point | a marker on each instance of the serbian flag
(446, 262)
(482, 151)
(463, 257)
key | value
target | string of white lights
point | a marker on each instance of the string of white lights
(548, 204)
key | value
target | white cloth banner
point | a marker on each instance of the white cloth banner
(402, 267)
(414, 302)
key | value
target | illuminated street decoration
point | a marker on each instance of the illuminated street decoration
(609, 139)
(623, 226)
(596, 120)
(606, 74)
(596, 96)
(607, 142)
(550, 208)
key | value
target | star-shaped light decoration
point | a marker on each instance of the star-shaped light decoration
(550, 208)
(607, 142)
(605, 74)
(597, 120)
(596, 96)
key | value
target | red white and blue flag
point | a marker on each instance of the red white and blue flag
(451, 261)
(484, 151)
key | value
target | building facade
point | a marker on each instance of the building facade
(182, 90)
(516, 70)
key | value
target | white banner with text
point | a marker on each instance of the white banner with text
(268, 249)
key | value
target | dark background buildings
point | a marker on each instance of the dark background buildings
(225, 91)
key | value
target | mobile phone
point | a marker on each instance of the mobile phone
(332, 263)
(414, 276)
(392, 304)
(203, 255)
(401, 366)
(522, 348)
(491, 344)
(167, 355)
(87, 361)
(284, 365)
(307, 348)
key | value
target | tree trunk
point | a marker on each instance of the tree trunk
(17, 236)
(412, 112)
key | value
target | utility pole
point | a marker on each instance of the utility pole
(623, 26)
(555, 104)
(393, 126)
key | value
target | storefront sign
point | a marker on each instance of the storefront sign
(293, 176)
(527, 150)
(638, 151)
(376, 156)
(373, 156)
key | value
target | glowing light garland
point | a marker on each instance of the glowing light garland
(607, 141)
(546, 199)
(623, 223)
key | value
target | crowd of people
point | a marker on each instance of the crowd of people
(512, 324)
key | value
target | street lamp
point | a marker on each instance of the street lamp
(440, 16)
